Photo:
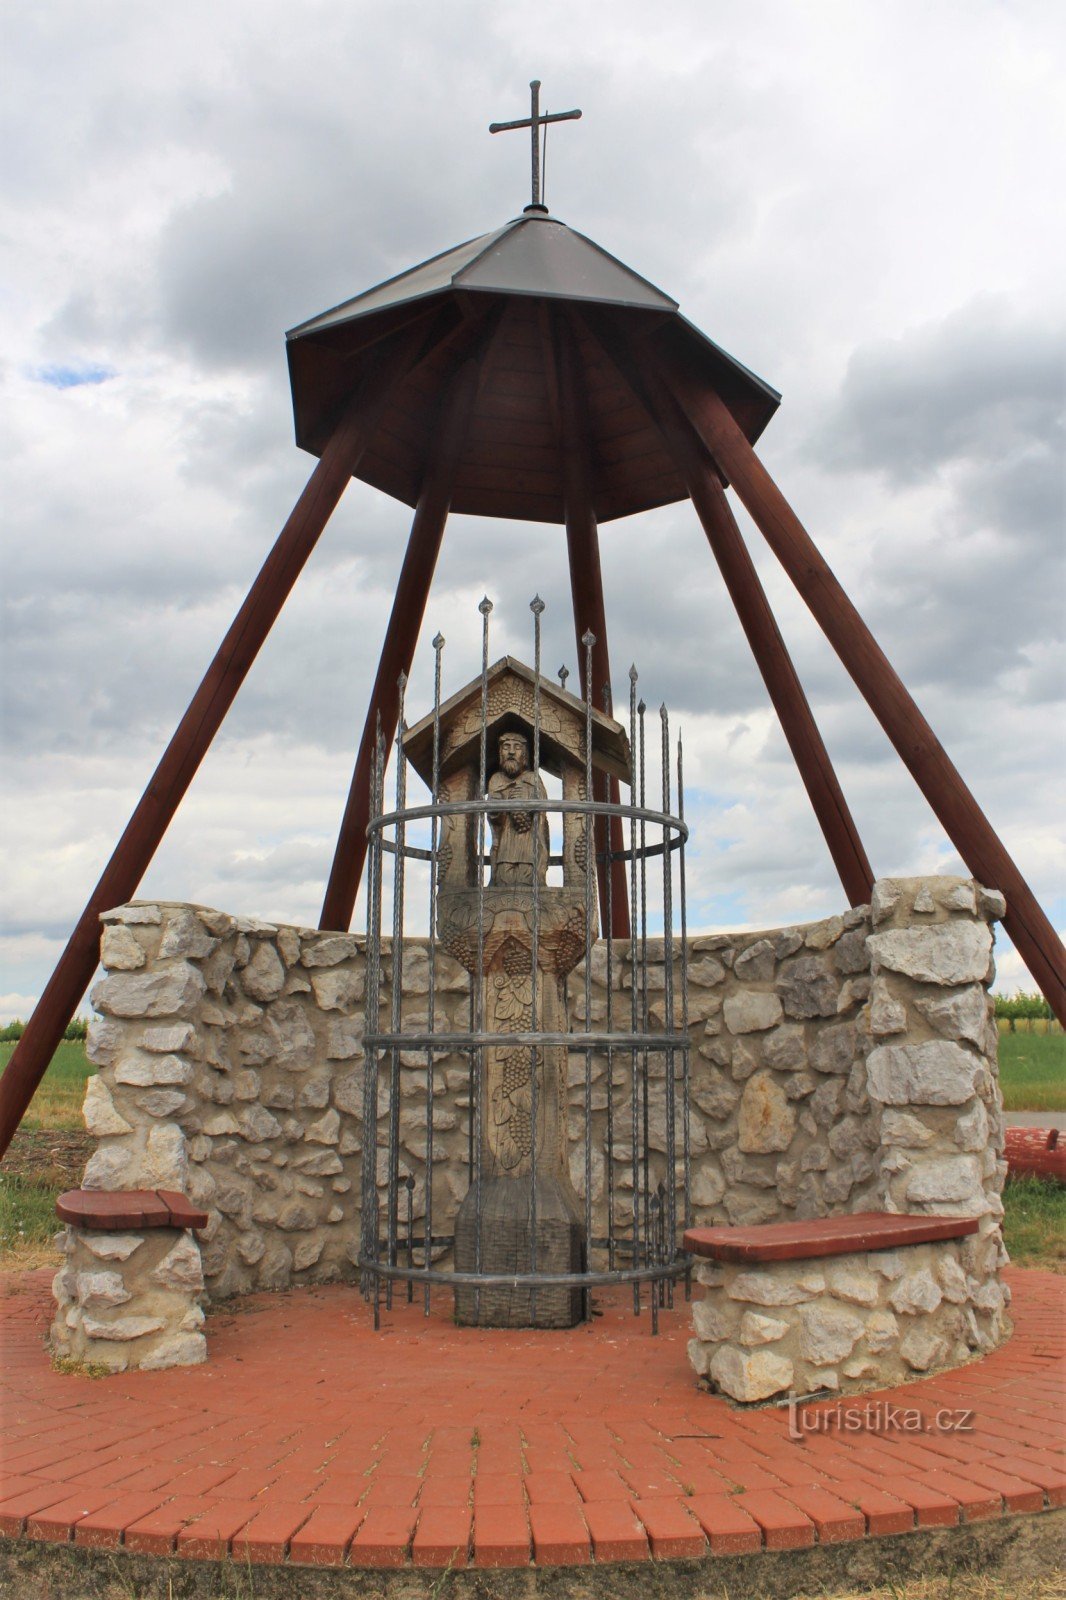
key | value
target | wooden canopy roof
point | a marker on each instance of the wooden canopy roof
(510, 465)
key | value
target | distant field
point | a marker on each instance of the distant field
(57, 1103)
(1032, 1071)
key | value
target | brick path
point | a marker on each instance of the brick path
(309, 1438)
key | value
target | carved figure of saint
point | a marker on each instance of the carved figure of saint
(513, 831)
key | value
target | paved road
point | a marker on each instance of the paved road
(1035, 1119)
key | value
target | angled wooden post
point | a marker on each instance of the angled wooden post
(198, 727)
(401, 636)
(759, 624)
(586, 589)
(917, 745)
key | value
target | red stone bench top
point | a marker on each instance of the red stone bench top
(129, 1208)
(823, 1236)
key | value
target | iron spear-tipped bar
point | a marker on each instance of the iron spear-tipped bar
(631, 1205)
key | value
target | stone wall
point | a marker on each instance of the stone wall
(129, 1299)
(844, 1065)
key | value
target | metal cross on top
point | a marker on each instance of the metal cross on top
(534, 122)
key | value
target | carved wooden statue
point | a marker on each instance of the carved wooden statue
(519, 936)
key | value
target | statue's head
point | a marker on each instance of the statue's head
(514, 754)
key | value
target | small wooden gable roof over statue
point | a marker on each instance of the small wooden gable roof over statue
(528, 373)
(510, 693)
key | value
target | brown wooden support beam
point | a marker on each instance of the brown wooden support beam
(940, 782)
(401, 636)
(586, 589)
(760, 626)
(198, 727)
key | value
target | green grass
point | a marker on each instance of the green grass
(57, 1103)
(1032, 1071)
(1034, 1223)
(27, 1219)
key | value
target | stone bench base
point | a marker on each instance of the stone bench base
(847, 1324)
(128, 1298)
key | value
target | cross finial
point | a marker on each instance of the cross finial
(534, 122)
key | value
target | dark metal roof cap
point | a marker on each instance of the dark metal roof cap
(533, 254)
(515, 282)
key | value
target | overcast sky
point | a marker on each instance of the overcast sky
(860, 200)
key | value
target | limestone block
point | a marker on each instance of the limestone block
(221, 1124)
(295, 1217)
(161, 1102)
(256, 1124)
(950, 953)
(708, 1186)
(750, 1375)
(147, 1072)
(313, 1094)
(103, 1041)
(936, 1073)
(807, 989)
(98, 1110)
(218, 968)
(852, 1283)
(744, 1060)
(170, 991)
(714, 1319)
(185, 935)
(917, 1291)
(180, 1350)
(348, 1093)
(766, 1121)
(122, 1328)
(705, 972)
(798, 1085)
(747, 1210)
(785, 1049)
(902, 1128)
(829, 1333)
(110, 1167)
(991, 904)
(181, 1268)
(751, 1012)
(98, 1289)
(264, 976)
(755, 1329)
(326, 1130)
(972, 1130)
(850, 954)
(886, 1014)
(344, 1039)
(946, 1178)
(952, 1280)
(329, 949)
(111, 1246)
(762, 1289)
(922, 1347)
(320, 1164)
(164, 1164)
(291, 1035)
(960, 1015)
(884, 901)
(136, 914)
(275, 1268)
(755, 964)
(882, 1331)
(834, 1049)
(306, 1253)
(120, 950)
(825, 1102)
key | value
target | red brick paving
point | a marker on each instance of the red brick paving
(308, 1438)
